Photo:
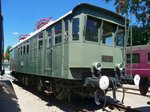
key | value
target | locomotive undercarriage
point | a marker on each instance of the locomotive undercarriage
(65, 89)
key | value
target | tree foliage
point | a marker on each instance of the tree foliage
(140, 8)
(141, 35)
(7, 53)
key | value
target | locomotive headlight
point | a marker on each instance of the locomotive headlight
(97, 66)
(104, 82)
(120, 66)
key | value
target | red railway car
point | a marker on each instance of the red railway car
(140, 68)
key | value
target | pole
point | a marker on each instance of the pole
(1, 38)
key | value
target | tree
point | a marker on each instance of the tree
(140, 8)
(141, 35)
(6, 56)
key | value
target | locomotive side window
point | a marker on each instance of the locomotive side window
(50, 32)
(135, 58)
(75, 29)
(40, 44)
(149, 58)
(120, 37)
(18, 51)
(58, 30)
(92, 29)
(49, 40)
(108, 30)
(21, 50)
(27, 48)
(40, 35)
(40, 40)
(24, 49)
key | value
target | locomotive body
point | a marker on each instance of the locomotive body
(62, 53)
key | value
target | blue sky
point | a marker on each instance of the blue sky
(20, 16)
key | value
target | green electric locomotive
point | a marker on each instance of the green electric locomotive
(81, 52)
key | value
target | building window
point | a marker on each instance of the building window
(92, 29)
(75, 29)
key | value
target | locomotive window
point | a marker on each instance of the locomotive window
(49, 42)
(66, 25)
(75, 29)
(21, 50)
(92, 29)
(58, 39)
(148, 58)
(50, 32)
(120, 37)
(108, 29)
(40, 44)
(58, 28)
(18, 51)
(135, 58)
(27, 48)
(41, 35)
(24, 49)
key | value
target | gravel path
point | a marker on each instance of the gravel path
(14, 98)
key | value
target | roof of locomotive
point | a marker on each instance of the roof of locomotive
(82, 5)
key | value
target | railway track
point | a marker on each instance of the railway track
(77, 106)
(133, 90)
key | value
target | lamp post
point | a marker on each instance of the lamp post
(1, 38)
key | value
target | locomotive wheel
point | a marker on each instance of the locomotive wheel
(40, 85)
(26, 81)
(22, 80)
(143, 86)
(59, 91)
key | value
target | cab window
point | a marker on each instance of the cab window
(120, 37)
(108, 30)
(92, 29)
(75, 29)
(58, 30)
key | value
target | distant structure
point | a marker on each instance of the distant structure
(23, 36)
(39, 24)
(1, 38)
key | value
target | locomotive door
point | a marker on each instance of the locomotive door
(40, 58)
(48, 57)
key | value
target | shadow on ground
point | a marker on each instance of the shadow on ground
(77, 101)
(8, 98)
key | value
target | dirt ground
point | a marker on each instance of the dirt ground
(14, 98)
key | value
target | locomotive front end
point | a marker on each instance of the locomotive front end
(96, 54)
